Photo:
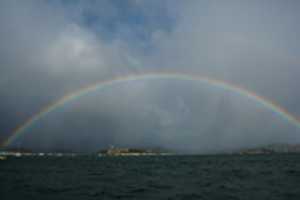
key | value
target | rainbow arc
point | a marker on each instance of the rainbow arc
(268, 104)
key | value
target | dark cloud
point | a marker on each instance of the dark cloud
(50, 48)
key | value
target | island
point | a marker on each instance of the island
(271, 149)
(113, 151)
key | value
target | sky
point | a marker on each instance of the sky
(53, 48)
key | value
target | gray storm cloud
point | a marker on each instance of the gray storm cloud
(50, 49)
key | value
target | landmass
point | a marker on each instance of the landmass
(270, 149)
(112, 151)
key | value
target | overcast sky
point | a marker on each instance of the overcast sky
(51, 48)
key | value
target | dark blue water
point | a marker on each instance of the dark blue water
(153, 177)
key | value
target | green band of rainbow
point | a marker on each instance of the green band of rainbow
(275, 108)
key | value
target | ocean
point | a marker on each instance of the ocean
(151, 177)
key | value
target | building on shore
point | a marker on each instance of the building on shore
(112, 151)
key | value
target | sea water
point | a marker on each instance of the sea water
(151, 177)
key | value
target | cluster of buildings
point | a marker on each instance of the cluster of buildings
(112, 151)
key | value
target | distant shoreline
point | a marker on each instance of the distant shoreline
(112, 151)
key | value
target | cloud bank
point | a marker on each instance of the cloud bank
(49, 49)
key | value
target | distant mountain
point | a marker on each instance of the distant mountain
(271, 149)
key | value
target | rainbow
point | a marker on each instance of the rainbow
(275, 108)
